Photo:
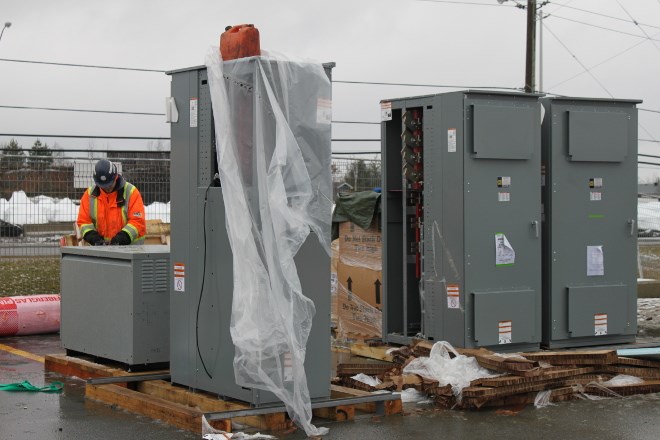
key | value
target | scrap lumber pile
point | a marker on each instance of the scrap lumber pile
(517, 378)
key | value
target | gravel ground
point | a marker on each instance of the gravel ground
(648, 317)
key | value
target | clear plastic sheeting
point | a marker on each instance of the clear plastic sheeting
(369, 380)
(457, 371)
(543, 399)
(210, 433)
(623, 380)
(272, 123)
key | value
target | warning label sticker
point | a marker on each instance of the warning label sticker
(595, 196)
(503, 196)
(504, 181)
(600, 324)
(193, 112)
(504, 328)
(596, 182)
(385, 111)
(451, 140)
(453, 296)
(323, 111)
(179, 277)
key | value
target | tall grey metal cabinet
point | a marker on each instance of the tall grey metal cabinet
(462, 219)
(202, 351)
(590, 227)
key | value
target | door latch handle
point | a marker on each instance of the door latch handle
(631, 222)
(535, 225)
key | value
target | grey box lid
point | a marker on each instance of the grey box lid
(136, 252)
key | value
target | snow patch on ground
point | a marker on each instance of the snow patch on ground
(23, 210)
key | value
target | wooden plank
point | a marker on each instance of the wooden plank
(575, 357)
(391, 406)
(364, 350)
(207, 402)
(369, 368)
(551, 373)
(642, 372)
(85, 369)
(174, 414)
(648, 386)
(338, 413)
(638, 362)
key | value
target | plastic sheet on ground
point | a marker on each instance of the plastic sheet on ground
(365, 378)
(412, 395)
(210, 433)
(542, 399)
(457, 371)
(622, 380)
(272, 124)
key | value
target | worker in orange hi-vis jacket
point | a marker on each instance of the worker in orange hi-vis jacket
(111, 211)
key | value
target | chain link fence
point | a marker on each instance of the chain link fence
(39, 199)
(40, 193)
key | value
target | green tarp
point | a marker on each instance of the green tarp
(359, 208)
(54, 387)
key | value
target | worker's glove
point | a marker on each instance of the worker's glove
(94, 238)
(122, 239)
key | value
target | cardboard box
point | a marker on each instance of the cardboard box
(362, 282)
(355, 318)
(361, 247)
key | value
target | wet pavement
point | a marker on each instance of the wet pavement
(68, 415)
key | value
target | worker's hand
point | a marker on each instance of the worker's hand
(121, 239)
(94, 238)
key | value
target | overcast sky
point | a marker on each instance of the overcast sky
(455, 43)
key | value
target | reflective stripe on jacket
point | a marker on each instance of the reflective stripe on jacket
(109, 213)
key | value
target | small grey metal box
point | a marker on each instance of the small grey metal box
(115, 302)
(589, 153)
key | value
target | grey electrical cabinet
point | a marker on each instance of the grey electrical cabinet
(202, 353)
(461, 219)
(115, 302)
(589, 234)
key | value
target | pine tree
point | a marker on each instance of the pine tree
(40, 155)
(13, 156)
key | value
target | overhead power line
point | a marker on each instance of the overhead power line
(456, 2)
(600, 64)
(81, 110)
(136, 69)
(637, 24)
(605, 15)
(587, 70)
(602, 27)
(451, 86)
(74, 136)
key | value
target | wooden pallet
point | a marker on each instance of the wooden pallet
(183, 408)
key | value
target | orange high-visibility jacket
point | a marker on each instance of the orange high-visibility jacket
(109, 213)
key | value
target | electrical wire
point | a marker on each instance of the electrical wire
(578, 61)
(201, 289)
(73, 136)
(599, 64)
(81, 110)
(456, 86)
(466, 3)
(50, 63)
(604, 15)
(601, 27)
(638, 25)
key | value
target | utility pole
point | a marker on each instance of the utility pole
(530, 62)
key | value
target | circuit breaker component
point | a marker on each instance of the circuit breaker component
(462, 253)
